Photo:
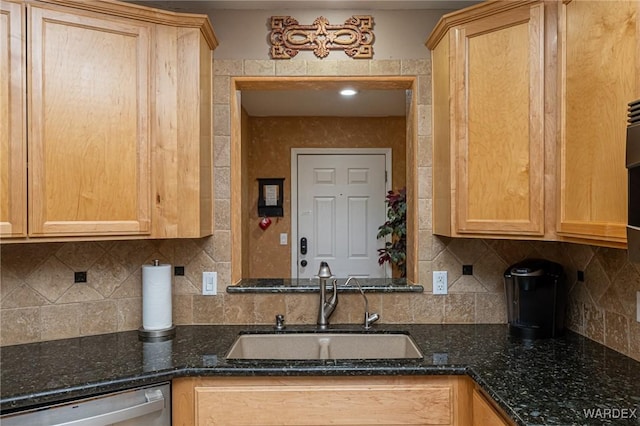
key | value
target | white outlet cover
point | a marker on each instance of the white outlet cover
(440, 282)
(283, 239)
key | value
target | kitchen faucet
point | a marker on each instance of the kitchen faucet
(326, 307)
(368, 319)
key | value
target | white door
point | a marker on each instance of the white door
(340, 205)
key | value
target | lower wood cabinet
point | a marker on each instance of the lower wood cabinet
(378, 400)
(318, 401)
(486, 412)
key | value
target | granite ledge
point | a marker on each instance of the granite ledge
(292, 285)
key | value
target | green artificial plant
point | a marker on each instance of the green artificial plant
(395, 250)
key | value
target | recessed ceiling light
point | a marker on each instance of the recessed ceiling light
(348, 92)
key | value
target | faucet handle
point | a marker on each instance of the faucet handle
(279, 322)
(370, 319)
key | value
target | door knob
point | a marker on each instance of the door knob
(303, 263)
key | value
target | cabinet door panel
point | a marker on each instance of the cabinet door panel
(13, 160)
(417, 404)
(500, 141)
(88, 139)
(599, 77)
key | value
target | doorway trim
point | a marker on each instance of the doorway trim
(387, 152)
(237, 238)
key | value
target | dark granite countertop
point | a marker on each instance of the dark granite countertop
(549, 382)
(291, 285)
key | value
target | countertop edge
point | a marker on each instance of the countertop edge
(59, 396)
(551, 381)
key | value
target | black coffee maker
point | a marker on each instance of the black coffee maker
(536, 293)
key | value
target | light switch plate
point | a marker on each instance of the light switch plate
(283, 239)
(439, 282)
(209, 283)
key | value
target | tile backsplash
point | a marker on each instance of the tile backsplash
(39, 300)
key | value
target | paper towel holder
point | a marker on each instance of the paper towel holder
(156, 335)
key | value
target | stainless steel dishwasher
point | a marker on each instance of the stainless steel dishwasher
(144, 406)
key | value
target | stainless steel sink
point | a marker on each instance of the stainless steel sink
(318, 346)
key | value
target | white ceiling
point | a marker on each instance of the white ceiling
(369, 103)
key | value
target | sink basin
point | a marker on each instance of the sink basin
(318, 346)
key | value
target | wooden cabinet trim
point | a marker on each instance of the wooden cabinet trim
(145, 14)
(471, 14)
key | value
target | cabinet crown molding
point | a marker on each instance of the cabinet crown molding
(469, 14)
(142, 13)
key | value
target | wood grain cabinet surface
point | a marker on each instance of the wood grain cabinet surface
(372, 400)
(88, 140)
(390, 400)
(600, 57)
(486, 413)
(529, 110)
(13, 114)
(488, 70)
(115, 112)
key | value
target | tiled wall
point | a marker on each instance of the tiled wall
(39, 300)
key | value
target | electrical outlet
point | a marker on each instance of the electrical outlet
(638, 306)
(209, 283)
(439, 282)
(283, 239)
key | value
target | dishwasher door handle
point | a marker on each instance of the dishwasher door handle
(155, 402)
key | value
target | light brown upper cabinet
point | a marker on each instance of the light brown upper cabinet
(600, 54)
(182, 131)
(529, 119)
(88, 140)
(13, 136)
(488, 113)
(118, 104)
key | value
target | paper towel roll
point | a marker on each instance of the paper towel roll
(156, 297)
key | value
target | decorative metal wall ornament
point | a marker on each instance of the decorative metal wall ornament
(355, 37)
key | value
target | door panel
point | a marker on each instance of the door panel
(499, 134)
(88, 176)
(358, 208)
(598, 77)
(13, 152)
(324, 226)
(340, 207)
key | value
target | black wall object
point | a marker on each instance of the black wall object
(270, 197)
